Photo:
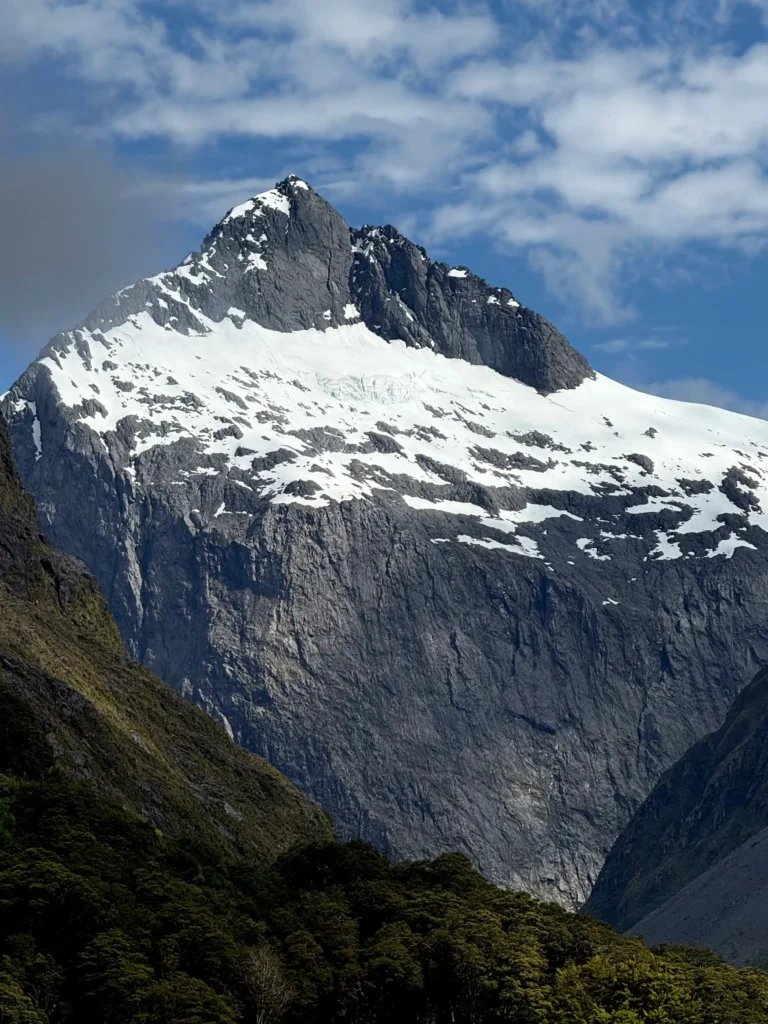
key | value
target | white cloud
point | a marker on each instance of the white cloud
(331, 71)
(584, 134)
(647, 149)
(617, 346)
(364, 31)
(707, 392)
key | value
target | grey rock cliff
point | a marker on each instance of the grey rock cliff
(403, 295)
(389, 527)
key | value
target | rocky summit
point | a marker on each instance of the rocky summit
(383, 522)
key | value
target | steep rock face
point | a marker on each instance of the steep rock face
(403, 295)
(689, 866)
(109, 722)
(384, 523)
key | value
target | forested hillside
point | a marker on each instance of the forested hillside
(106, 920)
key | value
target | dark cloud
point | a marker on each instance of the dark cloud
(73, 228)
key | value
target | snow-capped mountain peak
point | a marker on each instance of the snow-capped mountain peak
(294, 360)
(277, 198)
(381, 519)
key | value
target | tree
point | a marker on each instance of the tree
(393, 980)
(15, 1006)
(268, 989)
(115, 975)
(311, 975)
(185, 1000)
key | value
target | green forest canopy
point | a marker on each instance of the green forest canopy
(104, 920)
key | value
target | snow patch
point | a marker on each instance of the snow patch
(653, 505)
(273, 199)
(728, 546)
(36, 431)
(522, 546)
(666, 548)
(585, 544)
(255, 261)
(240, 211)
(454, 508)
(276, 201)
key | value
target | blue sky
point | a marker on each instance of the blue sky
(605, 159)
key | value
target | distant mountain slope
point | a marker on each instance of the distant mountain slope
(111, 723)
(725, 908)
(382, 521)
(690, 866)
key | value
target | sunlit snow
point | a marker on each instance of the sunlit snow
(383, 411)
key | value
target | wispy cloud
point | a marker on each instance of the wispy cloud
(643, 151)
(203, 202)
(622, 346)
(707, 392)
(332, 72)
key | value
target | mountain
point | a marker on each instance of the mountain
(381, 520)
(147, 874)
(691, 865)
(109, 722)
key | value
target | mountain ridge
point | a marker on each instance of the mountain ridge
(336, 269)
(461, 610)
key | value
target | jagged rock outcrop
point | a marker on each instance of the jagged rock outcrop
(405, 296)
(389, 527)
(690, 866)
